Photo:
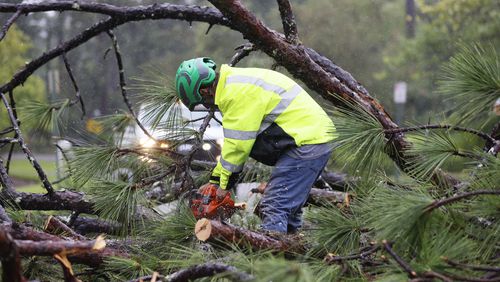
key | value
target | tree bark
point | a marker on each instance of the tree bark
(319, 197)
(49, 248)
(60, 200)
(9, 255)
(55, 226)
(93, 259)
(216, 231)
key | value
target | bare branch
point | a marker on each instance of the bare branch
(404, 265)
(60, 200)
(49, 248)
(9, 255)
(288, 20)
(90, 258)
(120, 15)
(207, 270)
(6, 181)
(75, 85)
(363, 255)
(14, 111)
(9, 23)
(55, 226)
(7, 130)
(85, 226)
(470, 266)
(26, 150)
(241, 52)
(121, 72)
(439, 203)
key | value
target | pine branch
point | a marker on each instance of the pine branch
(75, 85)
(440, 203)
(330, 259)
(483, 135)
(403, 264)
(24, 147)
(288, 20)
(470, 266)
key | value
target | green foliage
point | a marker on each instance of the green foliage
(121, 269)
(472, 80)
(361, 140)
(92, 162)
(117, 124)
(156, 94)
(175, 228)
(431, 150)
(117, 201)
(448, 243)
(13, 56)
(334, 231)
(45, 117)
(399, 215)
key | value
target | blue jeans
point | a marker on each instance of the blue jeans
(287, 192)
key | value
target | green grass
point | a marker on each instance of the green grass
(33, 188)
(22, 169)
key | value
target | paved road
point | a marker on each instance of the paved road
(38, 156)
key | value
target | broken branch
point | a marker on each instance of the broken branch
(9, 255)
(216, 231)
(207, 270)
(288, 20)
(55, 226)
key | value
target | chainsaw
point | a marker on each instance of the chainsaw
(206, 204)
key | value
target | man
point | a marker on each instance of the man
(270, 118)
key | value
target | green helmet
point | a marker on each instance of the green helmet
(190, 76)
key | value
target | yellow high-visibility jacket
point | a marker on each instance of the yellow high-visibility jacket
(264, 114)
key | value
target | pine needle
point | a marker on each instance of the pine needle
(398, 215)
(361, 140)
(93, 162)
(334, 231)
(431, 150)
(44, 117)
(472, 80)
(117, 201)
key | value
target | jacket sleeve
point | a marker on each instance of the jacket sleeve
(243, 114)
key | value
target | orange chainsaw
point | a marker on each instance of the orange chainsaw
(206, 204)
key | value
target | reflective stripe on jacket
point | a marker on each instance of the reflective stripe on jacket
(264, 113)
